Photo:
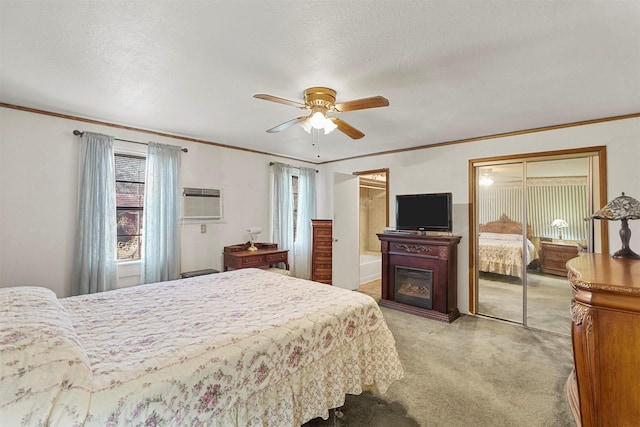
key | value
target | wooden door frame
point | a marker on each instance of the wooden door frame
(601, 200)
(386, 188)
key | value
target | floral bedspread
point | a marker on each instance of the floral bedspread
(241, 348)
(502, 253)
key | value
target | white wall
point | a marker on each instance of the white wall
(444, 169)
(38, 180)
(38, 196)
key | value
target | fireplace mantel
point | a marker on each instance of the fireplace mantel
(434, 253)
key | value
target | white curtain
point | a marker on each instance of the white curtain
(282, 202)
(161, 225)
(298, 245)
(306, 211)
(96, 268)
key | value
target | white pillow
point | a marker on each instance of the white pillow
(45, 374)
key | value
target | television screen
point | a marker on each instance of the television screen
(424, 212)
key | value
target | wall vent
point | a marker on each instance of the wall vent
(201, 203)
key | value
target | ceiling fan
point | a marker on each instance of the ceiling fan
(322, 100)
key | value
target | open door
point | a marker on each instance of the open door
(346, 264)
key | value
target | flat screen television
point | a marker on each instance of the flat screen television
(424, 212)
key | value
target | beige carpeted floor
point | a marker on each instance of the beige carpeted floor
(477, 371)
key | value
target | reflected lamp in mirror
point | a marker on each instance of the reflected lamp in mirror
(559, 224)
(253, 232)
(622, 208)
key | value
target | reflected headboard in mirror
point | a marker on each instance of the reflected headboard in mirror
(504, 225)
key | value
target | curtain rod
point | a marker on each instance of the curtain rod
(291, 166)
(78, 133)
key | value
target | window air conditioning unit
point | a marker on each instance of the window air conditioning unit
(201, 203)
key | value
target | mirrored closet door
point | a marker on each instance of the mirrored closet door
(530, 218)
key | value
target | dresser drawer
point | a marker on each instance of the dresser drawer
(277, 258)
(255, 260)
(556, 264)
(322, 265)
(322, 244)
(323, 233)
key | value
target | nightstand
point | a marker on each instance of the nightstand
(554, 256)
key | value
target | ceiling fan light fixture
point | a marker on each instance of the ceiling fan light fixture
(485, 178)
(329, 126)
(317, 119)
(321, 100)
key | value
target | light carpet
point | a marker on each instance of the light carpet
(475, 371)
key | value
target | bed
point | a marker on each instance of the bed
(240, 348)
(500, 247)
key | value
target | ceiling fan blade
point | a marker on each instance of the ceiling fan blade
(285, 125)
(280, 100)
(361, 104)
(347, 129)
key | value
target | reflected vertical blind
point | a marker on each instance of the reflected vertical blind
(547, 199)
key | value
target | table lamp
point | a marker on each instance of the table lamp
(559, 224)
(621, 208)
(253, 232)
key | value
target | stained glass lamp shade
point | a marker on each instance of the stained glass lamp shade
(621, 208)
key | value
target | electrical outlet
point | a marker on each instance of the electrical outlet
(203, 228)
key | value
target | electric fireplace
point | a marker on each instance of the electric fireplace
(419, 274)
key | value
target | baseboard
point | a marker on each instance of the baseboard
(370, 278)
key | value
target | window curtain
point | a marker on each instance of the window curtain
(96, 268)
(282, 203)
(161, 224)
(306, 211)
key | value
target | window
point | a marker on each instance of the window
(130, 174)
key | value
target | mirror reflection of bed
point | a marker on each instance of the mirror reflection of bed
(500, 282)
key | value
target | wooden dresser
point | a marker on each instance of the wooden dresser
(321, 255)
(605, 312)
(267, 255)
(554, 257)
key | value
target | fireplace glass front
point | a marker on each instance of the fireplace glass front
(414, 286)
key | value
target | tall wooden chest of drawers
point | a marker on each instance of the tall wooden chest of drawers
(321, 257)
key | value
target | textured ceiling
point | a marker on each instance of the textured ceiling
(450, 69)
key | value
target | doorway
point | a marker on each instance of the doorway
(527, 219)
(373, 192)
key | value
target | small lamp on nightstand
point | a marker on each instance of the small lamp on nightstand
(621, 208)
(253, 232)
(559, 224)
